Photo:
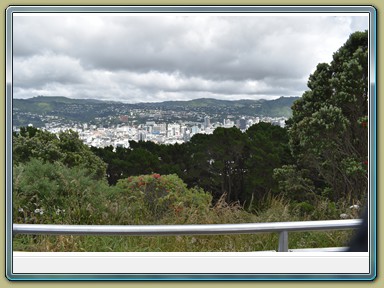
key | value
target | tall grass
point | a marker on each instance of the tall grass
(279, 210)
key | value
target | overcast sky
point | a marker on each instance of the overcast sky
(172, 57)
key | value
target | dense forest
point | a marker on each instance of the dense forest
(316, 165)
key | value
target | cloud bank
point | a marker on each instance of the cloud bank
(133, 58)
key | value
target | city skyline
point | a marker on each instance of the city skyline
(165, 124)
(154, 131)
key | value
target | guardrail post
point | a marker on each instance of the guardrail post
(283, 241)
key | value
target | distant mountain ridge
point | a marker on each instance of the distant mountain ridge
(63, 99)
(32, 110)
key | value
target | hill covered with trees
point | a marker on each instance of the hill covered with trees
(42, 109)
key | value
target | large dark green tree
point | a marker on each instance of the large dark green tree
(216, 162)
(268, 149)
(229, 148)
(328, 129)
(238, 164)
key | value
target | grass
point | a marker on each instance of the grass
(279, 210)
(198, 243)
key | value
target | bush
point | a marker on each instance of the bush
(304, 208)
(47, 193)
(53, 193)
(67, 148)
(152, 197)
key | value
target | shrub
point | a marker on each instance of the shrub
(152, 197)
(304, 208)
(66, 147)
(53, 193)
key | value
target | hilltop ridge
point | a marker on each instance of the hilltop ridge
(41, 109)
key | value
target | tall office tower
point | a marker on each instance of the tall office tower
(243, 124)
(207, 122)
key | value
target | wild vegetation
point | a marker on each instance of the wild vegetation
(69, 196)
(314, 169)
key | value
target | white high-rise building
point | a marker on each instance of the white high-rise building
(142, 136)
(207, 122)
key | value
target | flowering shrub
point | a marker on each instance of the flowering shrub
(363, 121)
(151, 197)
(47, 193)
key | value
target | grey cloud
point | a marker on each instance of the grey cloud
(40, 69)
(156, 58)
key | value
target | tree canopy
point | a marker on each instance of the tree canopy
(66, 147)
(328, 133)
(228, 162)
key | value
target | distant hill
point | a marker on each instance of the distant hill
(280, 107)
(35, 110)
(62, 99)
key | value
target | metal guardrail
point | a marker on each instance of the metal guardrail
(205, 229)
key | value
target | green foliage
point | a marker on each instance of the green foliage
(152, 197)
(34, 143)
(46, 192)
(353, 168)
(328, 129)
(268, 149)
(325, 209)
(64, 195)
(239, 165)
(304, 208)
(295, 184)
(66, 148)
(278, 209)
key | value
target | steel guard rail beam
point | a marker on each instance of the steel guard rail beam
(202, 229)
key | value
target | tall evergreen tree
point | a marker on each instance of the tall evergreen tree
(268, 149)
(328, 130)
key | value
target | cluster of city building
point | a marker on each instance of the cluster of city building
(161, 133)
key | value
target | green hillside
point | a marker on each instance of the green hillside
(85, 110)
